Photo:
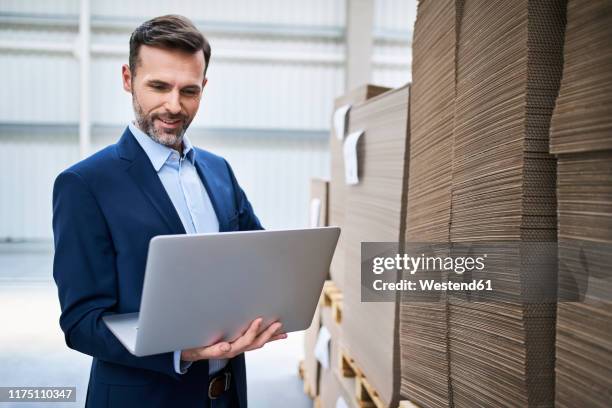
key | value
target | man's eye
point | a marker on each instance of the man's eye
(158, 87)
(190, 92)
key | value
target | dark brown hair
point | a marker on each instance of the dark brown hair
(170, 32)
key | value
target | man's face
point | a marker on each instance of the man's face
(166, 91)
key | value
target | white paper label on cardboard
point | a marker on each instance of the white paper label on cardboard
(315, 212)
(340, 120)
(341, 403)
(321, 350)
(350, 157)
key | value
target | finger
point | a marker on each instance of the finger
(217, 350)
(279, 336)
(276, 337)
(247, 338)
(266, 335)
(254, 326)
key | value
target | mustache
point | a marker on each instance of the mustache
(169, 117)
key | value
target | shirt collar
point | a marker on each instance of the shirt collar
(158, 153)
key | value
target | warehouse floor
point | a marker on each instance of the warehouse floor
(33, 353)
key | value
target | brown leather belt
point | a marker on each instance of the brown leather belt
(219, 384)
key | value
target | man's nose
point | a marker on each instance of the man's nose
(173, 102)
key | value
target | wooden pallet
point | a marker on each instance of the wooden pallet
(365, 394)
(332, 297)
(337, 307)
(310, 393)
(302, 375)
(407, 404)
(329, 290)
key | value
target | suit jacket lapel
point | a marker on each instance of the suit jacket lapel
(213, 189)
(145, 177)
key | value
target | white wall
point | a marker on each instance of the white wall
(392, 54)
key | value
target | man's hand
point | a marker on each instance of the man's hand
(248, 341)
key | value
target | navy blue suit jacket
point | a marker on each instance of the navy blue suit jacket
(106, 209)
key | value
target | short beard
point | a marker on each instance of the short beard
(145, 123)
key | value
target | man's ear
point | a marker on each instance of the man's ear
(126, 77)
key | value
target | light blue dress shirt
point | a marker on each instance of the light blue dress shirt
(188, 195)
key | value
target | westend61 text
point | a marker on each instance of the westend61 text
(432, 285)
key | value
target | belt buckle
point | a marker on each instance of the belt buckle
(226, 384)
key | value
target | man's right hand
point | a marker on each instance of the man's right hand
(247, 342)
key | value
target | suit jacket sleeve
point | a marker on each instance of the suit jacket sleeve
(85, 273)
(247, 220)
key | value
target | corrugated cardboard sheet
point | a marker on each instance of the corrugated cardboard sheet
(337, 187)
(581, 135)
(374, 212)
(582, 120)
(509, 58)
(311, 365)
(318, 191)
(333, 385)
(423, 325)
(584, 316)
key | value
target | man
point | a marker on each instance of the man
(106, 209)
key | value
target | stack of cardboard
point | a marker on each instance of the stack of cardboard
(583, 115)
(469, 161)
(375, 211)
(319, 198)
(311, 367)
(423, 324)
(581, 137)
(431, 121)
(509, 60)
(318, 218)
(337, 186)
(333, 385)
(584, 315)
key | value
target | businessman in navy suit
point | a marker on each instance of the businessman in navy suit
(106, 209)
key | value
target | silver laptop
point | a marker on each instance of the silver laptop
(203, 288)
